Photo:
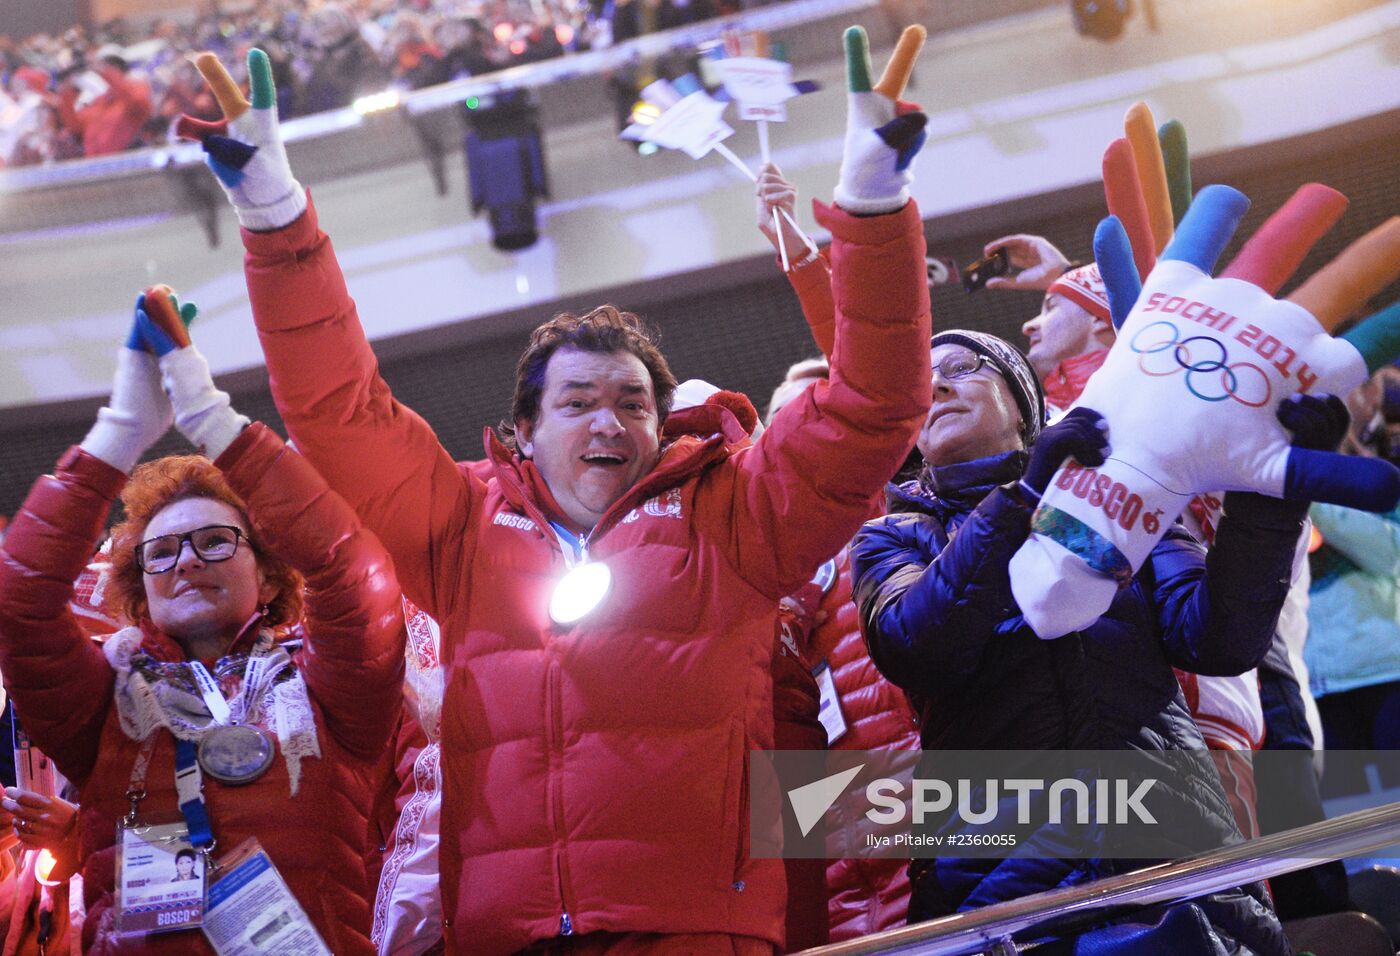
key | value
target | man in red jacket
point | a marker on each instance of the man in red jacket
(608, 592)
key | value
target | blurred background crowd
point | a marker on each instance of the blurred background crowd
(120, 85)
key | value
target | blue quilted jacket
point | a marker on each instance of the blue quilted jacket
(940, 620)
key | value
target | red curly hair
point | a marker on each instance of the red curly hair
(160, 483)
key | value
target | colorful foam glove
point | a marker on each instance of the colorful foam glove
(883, 133)
(169, 330)
(1192, 387)
(245, 148)
(138, 413)
(1147, 182)
(203, 413)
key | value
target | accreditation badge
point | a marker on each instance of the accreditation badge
(252, 912)
(160, 879)
(830, 714)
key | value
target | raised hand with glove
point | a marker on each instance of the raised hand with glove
(245, 148)
(1193, 382)
(202, 412)
(883, 133)
(138, 412)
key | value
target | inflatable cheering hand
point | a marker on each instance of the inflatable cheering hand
(245, 148)
(1192, 387)
(883, 132)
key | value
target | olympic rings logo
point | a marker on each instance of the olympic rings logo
(1166, 353)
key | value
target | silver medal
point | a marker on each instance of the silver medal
(236, 754)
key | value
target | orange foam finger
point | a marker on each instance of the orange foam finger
(230, 97)
(1343, 286)
(160, 309)
(1277, 249)
(1124, 195)
(901, 65)
(1141, 130)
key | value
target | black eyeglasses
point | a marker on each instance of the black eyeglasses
(960, 365)
(212, 543)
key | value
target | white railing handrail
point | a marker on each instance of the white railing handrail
(1355, 834)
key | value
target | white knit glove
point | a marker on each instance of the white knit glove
(135, 417)
(882, 134)
(202, 412)
(245, 150)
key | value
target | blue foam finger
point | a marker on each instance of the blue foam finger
(1366, 484)
(1206, 228)
(155, 340)
(134, 340)
(1114, 253)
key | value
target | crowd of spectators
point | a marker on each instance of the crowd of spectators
(92, 92)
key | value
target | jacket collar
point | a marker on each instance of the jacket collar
(956, 489)
(693, 439)
(1064, 385)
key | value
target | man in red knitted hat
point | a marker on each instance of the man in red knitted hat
(1069, 339)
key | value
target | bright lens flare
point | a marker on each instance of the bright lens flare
(376, 102)
(645, 113)
(579, 592)
(43, 868)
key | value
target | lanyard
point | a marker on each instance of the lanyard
(188, 783)
(575, 546)
(189, 780)
(213, 696)
(189, 786)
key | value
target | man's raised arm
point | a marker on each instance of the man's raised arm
(809, 481)
(383, 458)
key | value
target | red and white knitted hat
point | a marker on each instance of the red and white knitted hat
(1084, 287)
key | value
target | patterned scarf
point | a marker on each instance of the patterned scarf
(152, 694)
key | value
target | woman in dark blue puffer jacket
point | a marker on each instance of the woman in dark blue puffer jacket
(938, 614)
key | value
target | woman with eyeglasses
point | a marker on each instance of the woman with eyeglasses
(934, 593)
(204, 711)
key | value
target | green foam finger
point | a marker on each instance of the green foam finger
(1177, 160)
(857, 60)
(260, 80)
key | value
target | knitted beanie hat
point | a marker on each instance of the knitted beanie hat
(1025, 386)
(1084, 287)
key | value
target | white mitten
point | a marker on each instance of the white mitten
(135, 417)
(202, 412)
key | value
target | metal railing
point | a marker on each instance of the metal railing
(993, 928)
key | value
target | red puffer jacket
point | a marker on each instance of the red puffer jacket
(594, 775)
(62, 686)
(866, 896)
